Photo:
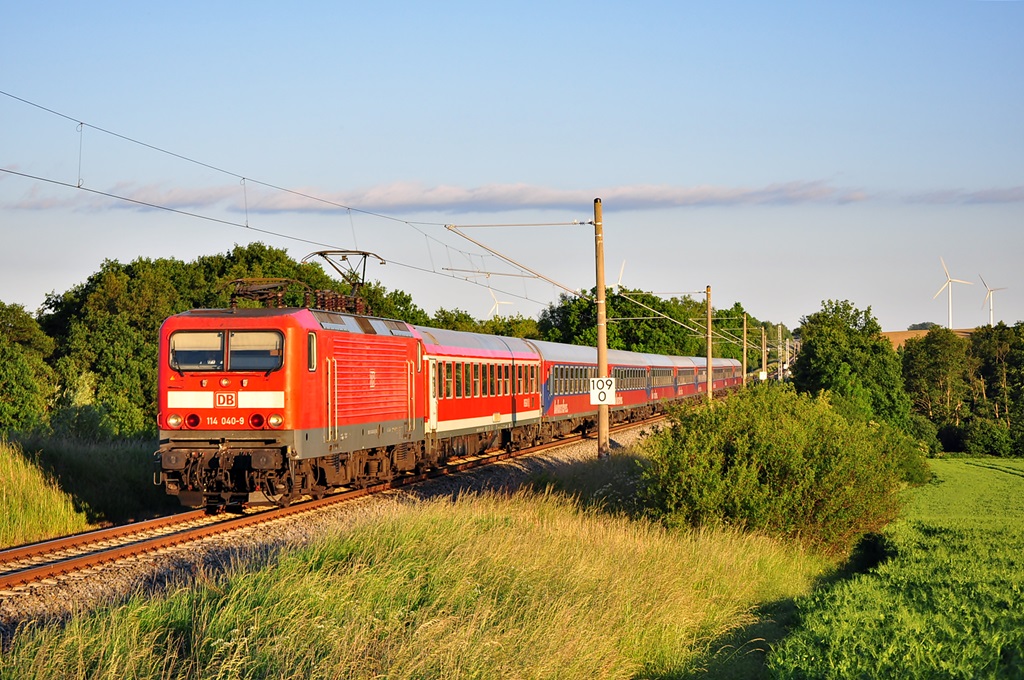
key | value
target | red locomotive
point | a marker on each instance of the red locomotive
(262, 406)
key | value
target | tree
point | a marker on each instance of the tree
(454, 320)
(107, 328)
(26, 380)
(636, 322)
(395, 304)
(935, 373)
(517, 326)
(991, 348)
(843, 351)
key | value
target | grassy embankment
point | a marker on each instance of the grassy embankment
(949, 600)
(534, 584)
(33, 506)
(54, 488)
(529, 585)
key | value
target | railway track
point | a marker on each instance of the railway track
(42, 562)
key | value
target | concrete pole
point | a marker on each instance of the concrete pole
(603, 448)
(744, 350)
(764, 353)
(778, 352)
(711, 373)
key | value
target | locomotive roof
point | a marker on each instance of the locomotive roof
(368, 325)
(334, 321)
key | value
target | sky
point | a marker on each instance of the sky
(784, 153)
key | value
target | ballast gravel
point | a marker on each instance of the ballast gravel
(53, 601)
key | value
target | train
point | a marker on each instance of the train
(264, 406)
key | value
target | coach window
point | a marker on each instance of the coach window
(476, 380)
(458, 380)
(311, 351)
(448, 380)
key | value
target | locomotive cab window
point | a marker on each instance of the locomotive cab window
(239, 351)
(197, 351)
(255, 351)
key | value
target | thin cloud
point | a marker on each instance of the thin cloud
(405, 197)
(959, 196)
(410, 197)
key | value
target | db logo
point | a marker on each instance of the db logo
(225, 399)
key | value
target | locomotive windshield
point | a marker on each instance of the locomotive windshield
(220, 351)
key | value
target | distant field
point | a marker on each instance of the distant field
(949, 601)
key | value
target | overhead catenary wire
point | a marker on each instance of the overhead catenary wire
(240, 225)
(80, 125)
(244, 181)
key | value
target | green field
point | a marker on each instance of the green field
(947, 603)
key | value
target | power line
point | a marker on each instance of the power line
(244, 180)
(81, 124)
(240, 225)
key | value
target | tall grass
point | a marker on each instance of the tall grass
(489, 586)
(109, 481)
(948, 603)
(32, 506)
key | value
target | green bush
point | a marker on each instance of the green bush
(987, 438)
(770, 459)
(926, 432)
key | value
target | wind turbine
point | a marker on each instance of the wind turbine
(990, 298)
(948, 287)
(494, 310)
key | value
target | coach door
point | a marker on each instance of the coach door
(432, 401)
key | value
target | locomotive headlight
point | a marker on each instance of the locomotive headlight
(174, 421)
(275, 420)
